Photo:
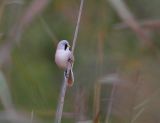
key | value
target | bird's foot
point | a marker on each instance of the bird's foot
(66, 74)
(71, 59)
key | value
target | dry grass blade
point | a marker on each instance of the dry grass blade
(150, 24)
(17, 29)
(32, 116)
(137, 115)
(148, 100)
(32, 11)
(2, 6)
(96, 118)
(48, 30)
(128, 18)
(110, 103)
(96, 106)
(29, 15)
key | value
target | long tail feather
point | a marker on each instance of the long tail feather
(71, 78)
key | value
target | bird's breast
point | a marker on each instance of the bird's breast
(61, 58)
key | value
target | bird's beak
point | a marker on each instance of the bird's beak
(69, 46)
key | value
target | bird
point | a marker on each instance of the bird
(63, 57)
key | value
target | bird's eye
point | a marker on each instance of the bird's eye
(65, 47)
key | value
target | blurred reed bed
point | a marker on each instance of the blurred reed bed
(116, 61)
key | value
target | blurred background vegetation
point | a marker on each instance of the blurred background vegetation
(117, 60)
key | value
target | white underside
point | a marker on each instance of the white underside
(61, 58)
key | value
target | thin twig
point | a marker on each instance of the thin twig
(77, 26)
(64, 84)
(61, 102)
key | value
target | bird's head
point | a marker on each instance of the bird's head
(63, 44)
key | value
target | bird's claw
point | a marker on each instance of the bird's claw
(66, 74)
(71, 59)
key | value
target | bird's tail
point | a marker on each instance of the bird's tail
(70, 78)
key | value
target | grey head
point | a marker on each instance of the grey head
(63, 44)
